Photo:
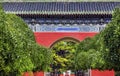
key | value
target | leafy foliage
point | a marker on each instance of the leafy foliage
(90, 53)
(41, 57)
(112, 40)
(18, 50)
(63, 54)
(102, 51)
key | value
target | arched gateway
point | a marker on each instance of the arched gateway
(69, 39)
(53, 21)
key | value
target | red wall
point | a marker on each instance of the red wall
(48, 38)
(102, 73)
(39, 74)
(33, 74)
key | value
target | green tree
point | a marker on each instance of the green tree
(112, 40)
(90, 53)
(63, 55)
(18, 50)
(102, 51)
(13, 45)
(41, 57)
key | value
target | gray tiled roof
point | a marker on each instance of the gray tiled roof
(60, 7)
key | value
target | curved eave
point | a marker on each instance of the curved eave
(56, 12)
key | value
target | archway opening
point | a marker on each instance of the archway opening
(63, 54)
